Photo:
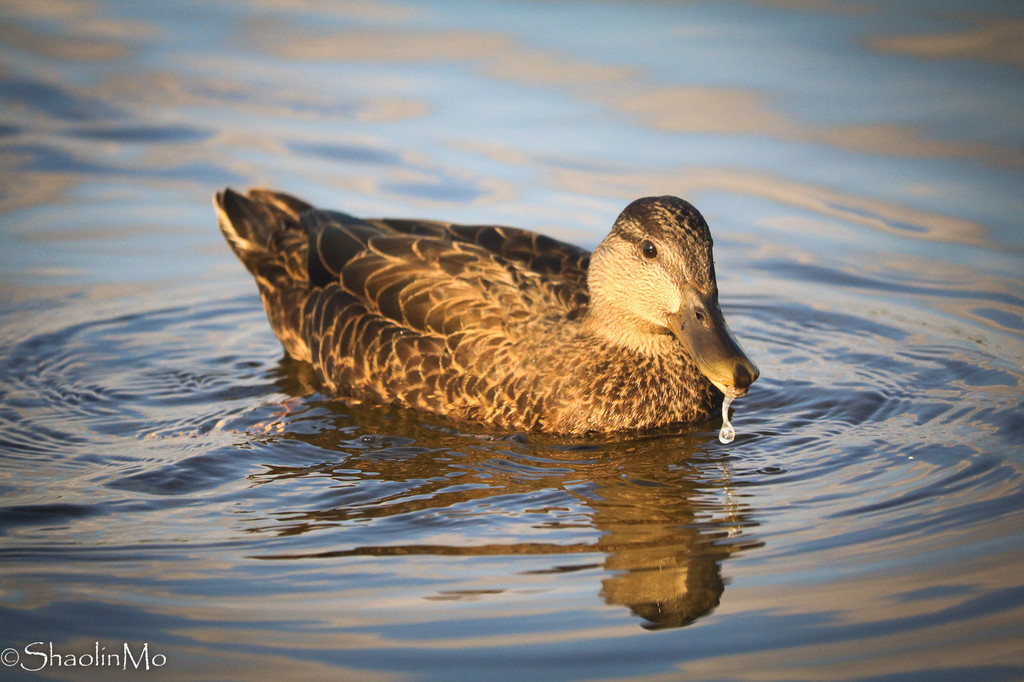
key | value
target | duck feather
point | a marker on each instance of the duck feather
(485, 323)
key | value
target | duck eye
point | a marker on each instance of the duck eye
(649, 249)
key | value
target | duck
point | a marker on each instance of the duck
(497, 325)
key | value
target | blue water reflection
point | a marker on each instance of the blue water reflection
(168, 478)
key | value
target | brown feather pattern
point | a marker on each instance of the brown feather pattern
(481, 323)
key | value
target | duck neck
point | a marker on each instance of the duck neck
(623, 330)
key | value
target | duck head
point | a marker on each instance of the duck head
(653, 276)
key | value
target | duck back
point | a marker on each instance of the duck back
(449, 319)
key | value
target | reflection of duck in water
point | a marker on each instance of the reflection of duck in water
(665, 565)
(635, 519)
(496, 324)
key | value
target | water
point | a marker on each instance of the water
(170, 481)
(727, 433)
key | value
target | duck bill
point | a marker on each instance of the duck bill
(700, 327)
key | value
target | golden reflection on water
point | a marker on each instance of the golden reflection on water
(195, 662)
(467, 531)
(857, 604)
(658, 106)
(86, 35)
(824, 202)
(991, 41)
(664, 524)
(73, 48)
(375, 46)
(675, 108)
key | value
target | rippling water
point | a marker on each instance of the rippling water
(169, 481)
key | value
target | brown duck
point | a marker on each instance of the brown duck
(496, 324)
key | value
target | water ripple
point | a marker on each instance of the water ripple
(167, 476)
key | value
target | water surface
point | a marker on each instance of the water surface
(169, 479)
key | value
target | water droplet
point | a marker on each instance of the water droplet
(727, 433)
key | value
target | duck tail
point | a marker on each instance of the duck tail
(257, 226)
(266, 232)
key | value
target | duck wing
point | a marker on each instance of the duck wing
(436, 278)
(535, 251)
(441, 317)
(416, 317)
